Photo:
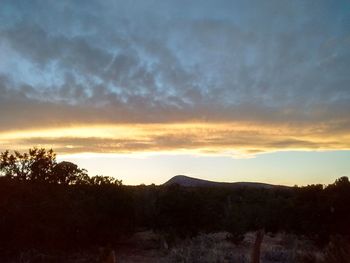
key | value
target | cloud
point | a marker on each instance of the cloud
(279, 63)
(219, 138)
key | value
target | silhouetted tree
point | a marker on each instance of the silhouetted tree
(40, 165)
(36, 165)
(104, 180)
(68, 173)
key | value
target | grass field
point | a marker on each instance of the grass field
(149, 247)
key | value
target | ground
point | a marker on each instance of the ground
(147, 247)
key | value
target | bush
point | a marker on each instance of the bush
(338, 250)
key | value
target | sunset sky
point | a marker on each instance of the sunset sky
(216, 89)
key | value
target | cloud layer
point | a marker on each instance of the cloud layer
(235, 139)
(266, 63)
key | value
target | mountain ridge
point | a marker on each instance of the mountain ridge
(188, 181)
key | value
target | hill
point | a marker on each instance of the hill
(187, 181)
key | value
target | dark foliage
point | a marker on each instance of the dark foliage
(45, 204)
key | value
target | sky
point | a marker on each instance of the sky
(143, 90)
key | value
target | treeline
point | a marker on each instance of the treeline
(40, 166)
(45, 204)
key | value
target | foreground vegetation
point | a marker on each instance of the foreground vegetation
(49, 206)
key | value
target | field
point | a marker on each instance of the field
(148, 247)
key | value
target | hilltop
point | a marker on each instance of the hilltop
(187, 181)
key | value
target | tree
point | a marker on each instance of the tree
(68, 173)
(104, 180)
(39, 165)
(36, 165)
(342, 182)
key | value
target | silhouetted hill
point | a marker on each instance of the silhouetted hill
(187, 181)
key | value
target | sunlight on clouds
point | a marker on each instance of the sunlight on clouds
(239, 140)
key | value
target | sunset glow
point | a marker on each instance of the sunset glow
(213, 80)
(203, 138)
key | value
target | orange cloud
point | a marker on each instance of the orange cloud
(204, 138)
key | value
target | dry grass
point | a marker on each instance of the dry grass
(146, 247)
(208, 248)
(280, 248)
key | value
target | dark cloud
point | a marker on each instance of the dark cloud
(76, 62)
